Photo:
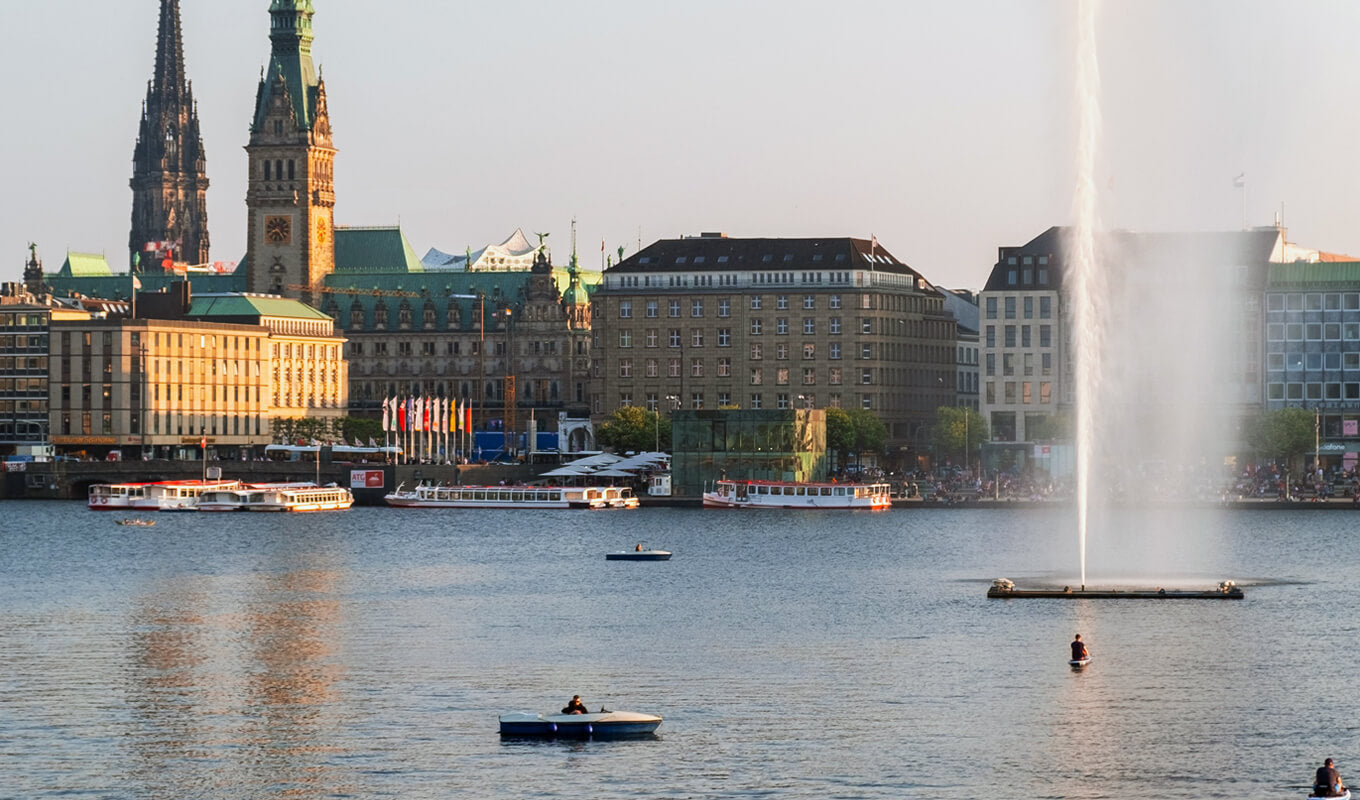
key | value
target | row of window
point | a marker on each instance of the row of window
(1025, 340)
(1045, 366)
(1315, 390)
(1313, 301)
(724, 306)
(455, 348)
(1312, 361)
(651, 368)
(1045, 307)
(755, 400)
(1313, 332)
(1020, 392)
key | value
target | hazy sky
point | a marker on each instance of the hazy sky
(945, 128)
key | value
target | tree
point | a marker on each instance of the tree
(840, 434)
(361, 429)
(958, 432)
(1284, 434)
(870, 433)
(634, 428)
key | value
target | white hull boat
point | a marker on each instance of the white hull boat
(785, 494)
(602, 725)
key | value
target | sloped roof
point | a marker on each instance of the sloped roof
(721, 253)
(1315, 275)
(84, 265)
(378, 249)
(1123, 250)
(241, 307)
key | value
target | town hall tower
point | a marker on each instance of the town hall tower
(290, 196)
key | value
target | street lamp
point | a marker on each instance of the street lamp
(671, 400)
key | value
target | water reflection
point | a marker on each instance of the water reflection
(230, 684)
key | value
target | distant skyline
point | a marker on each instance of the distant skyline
(943, 128)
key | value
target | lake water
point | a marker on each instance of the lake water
(367, 654)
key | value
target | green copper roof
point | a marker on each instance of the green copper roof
(374, 250)
(240, 307)
(290, 35)
(84, 265)
(1323, 274)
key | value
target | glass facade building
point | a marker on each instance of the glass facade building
(769, 445)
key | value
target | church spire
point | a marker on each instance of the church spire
(290, 61)
(169, 77)
(169, 178)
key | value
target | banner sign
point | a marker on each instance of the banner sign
(365, 479)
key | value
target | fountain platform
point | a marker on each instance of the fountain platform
(1005, 590)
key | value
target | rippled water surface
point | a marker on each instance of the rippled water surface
(367, 654)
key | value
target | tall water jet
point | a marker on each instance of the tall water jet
(1085, 283)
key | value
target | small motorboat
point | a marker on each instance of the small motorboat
(601, 725)
(639, 554)
(136, 523)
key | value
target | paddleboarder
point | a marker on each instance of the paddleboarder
(1328, 781)
(1079, 651)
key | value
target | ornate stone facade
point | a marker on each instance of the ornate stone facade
(290, 196)
(169, 178)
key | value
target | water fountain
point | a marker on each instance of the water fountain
(1109, 369)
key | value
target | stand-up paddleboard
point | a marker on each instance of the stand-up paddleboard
(1346, 795)
(1078, 663)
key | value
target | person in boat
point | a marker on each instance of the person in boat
(1079, 651)
(575, 706)
(639, 547)
(1328, 781)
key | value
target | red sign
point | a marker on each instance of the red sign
(365, 479)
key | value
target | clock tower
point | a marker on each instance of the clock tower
(290, 195)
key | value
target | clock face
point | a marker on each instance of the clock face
(322, 230)
(278, 230)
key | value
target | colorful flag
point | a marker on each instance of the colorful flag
(136, 283)
(386, 416)
(428, 409)
(401, 415)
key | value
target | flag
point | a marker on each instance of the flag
(203, 442)
(1240, 181)
(427, 410)
(136, 283)
(468, 410)
(386, 416)
(420, 413)
(401, 415)
(372, 443)
(873, 243)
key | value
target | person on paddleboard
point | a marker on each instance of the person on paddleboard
(1079, 651)
(1328, 781)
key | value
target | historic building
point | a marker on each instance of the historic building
(775, 324)
(1179, 331)
(290, 195)
(26, 314)
(169, 178)
(209, 370)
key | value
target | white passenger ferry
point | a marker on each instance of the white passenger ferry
(779, 494)
(277, 497)
(115, 496)
(431, 496)
(178, 495)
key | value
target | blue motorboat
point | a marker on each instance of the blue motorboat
(601, 725)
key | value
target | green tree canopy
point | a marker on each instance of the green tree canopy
(1283, 434)
(634, 428)
(956, 431)
(853, 431)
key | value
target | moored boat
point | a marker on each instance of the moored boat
(602, 725)
(791, 494)
(294, 497)
(433, 496)
(135, 522)
(178, 495)
(115, 496)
